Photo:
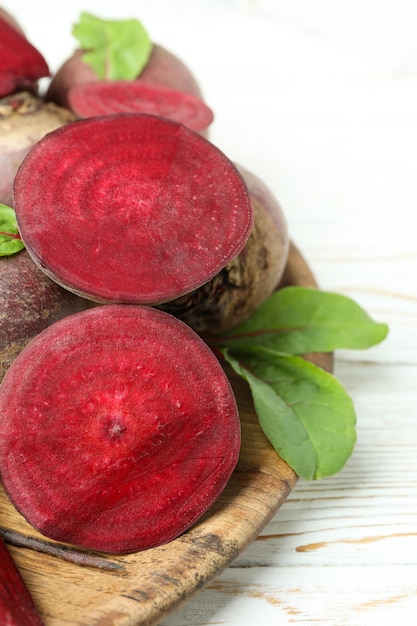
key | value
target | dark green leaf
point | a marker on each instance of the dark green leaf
(116, 49)
(298, 320)
(10, 241)
(304, 411)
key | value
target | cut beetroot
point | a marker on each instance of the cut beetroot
(16, 604)
(21, 63)
(130, 208)
(108, 97)
(163, 68)
(119, 429)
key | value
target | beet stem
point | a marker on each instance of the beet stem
(66, 553)
(11, 235)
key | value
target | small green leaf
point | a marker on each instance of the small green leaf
(10, 241)
(115, 49)
(298, 320)
(305, 412)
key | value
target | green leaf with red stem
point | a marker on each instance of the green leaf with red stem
(10, 241)
(304, 411)
(299, 320)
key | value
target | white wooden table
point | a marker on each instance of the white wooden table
(320, 100)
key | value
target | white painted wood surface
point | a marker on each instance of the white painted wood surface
(320, 100)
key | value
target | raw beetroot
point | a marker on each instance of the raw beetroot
(130, 208)
(163, 68)
(24, 119)
(248, 279)
(16, 604)
(118, 96)
(119, 429)
(21, 63)
(29, 302)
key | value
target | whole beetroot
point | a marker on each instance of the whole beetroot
(250, 278)
(24, 119)
(29, 302)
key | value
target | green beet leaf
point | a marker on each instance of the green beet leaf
(115, 49)
(304, 411)
(298, 320)
(10, 241)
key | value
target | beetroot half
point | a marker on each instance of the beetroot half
(108, 97)
(119, 429)
(130, 208)
(163, 68)
(16, 604)
(240, 288)
(21, 63)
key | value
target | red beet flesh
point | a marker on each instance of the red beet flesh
(21, 64)
(130, 208)
(108, 97)
(16, 603)
(119, 429)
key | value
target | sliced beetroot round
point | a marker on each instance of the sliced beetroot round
(130, 208)
(21, 63)
(108, 97)
(119, 429)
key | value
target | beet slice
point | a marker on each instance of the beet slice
(16, 604)
(163, 68)
(119, 429)
(108, 97)
(21, 63)
(130, 208)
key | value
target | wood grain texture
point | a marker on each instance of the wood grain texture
(156, 582)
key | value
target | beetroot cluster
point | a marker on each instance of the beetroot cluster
(119, 425)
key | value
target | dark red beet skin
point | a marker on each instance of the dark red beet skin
(119, 96)
(119, 429)
(16, 604)
(130, 208)
(21, 63)
(29, 302)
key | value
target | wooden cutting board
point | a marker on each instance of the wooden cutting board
(143, 588)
